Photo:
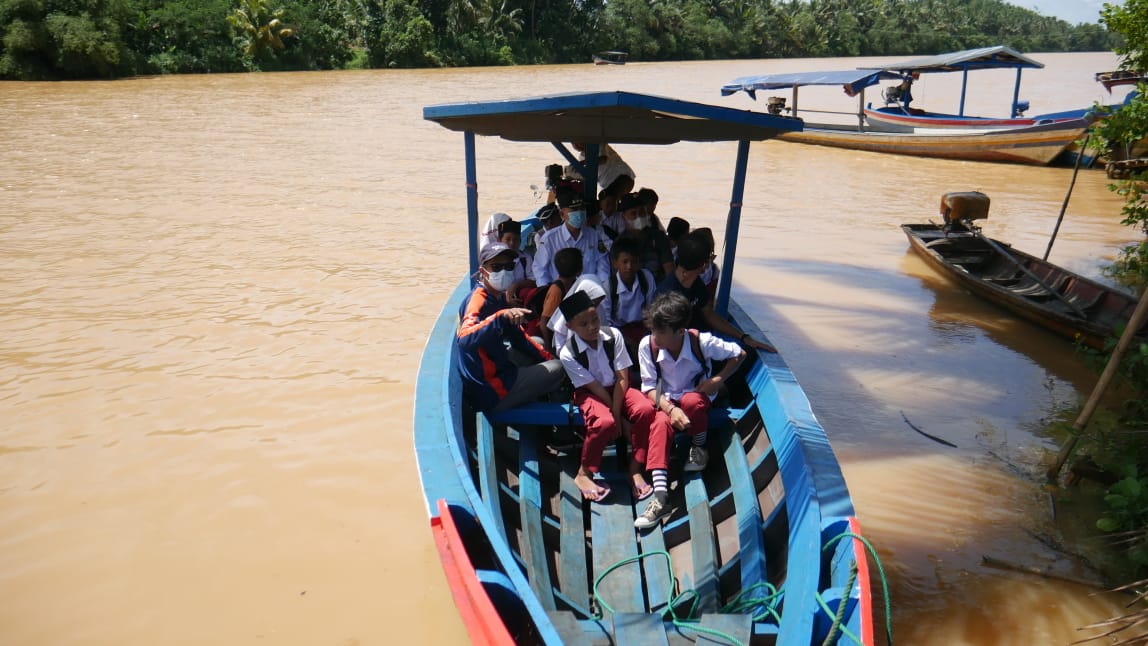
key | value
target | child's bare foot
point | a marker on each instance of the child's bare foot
(591, 489)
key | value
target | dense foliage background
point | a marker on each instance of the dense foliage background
(71, 39)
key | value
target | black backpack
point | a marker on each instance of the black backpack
(581, 357)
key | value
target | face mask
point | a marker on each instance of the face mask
(576, 219)
(639, 222)
(501, 280)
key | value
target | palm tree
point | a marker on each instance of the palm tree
(261, 27)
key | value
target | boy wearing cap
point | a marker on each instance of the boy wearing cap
(597, 363)
(574, 232)
(501, 366)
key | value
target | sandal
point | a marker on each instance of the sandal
(644, 492)
(594, 495)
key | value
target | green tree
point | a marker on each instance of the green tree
(52, 39)
(261, 30)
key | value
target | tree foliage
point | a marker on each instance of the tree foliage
(107, 38)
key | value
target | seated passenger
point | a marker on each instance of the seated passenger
(501, 366)
(598, 367)
(675, 364)
(612, 222)
(649, 199)
(573, 233)
(557, 323)
(490, 230)
(693, 254)
(675, 231)
(510, 234)
(547, 217)
(653, 245)
(569, 264)
(630, 290)
(712, 272)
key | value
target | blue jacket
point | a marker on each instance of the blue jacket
(484, 340)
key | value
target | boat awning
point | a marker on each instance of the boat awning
(608, 117)
(853, 81)
(999, 57)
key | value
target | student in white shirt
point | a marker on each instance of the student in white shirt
(628, 292)
(596, 361)
(674, 362)
(573, 233)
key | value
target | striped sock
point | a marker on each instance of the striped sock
(661, 480)
(699, 439)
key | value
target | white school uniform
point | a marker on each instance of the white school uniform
(681, 375)
(600, 367)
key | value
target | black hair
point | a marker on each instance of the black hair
(693, 252)
(677, 228)
(625, 244)
(568, 262)
(706, 235)
(668, 311)
(509, 226)
(647, 195)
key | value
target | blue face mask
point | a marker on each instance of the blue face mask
(576, 219)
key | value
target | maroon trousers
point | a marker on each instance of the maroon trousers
(602, 428)
(655, 450)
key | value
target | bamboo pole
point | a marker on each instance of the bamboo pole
(1134, 325)
(1064, 206)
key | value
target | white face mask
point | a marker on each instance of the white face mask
(500, 280)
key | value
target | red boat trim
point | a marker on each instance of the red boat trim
(478, 613)
(863, 581)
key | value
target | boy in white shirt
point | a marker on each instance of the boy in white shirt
(596, 361)
(675, 366)
(630, 289)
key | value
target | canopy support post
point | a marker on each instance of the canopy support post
(964, 86)
(569, 156)
(732, 223)
(861, 111)
(471, 198)
(1015, 94)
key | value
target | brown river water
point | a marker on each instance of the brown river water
(216, 289)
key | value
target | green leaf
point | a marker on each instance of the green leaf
(1107, 524)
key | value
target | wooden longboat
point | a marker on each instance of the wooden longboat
(1033, 289)
(1037, 143)
(766, 536)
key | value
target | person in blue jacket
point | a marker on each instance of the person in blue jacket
(501, 366)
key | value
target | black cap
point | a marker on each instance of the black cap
(568, 198)
(575, 304)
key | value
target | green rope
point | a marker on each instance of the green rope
(750, 600)
(884, 585)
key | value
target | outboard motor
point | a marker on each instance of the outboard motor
(775, 105)
(1021, 108)
(892, 94)
(959, 209)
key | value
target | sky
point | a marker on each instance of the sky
(1071, 11)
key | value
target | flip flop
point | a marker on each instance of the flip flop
(593, 495)
(644, 492)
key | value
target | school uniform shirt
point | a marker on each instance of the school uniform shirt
(600, 368)
(681, 375)
(523, 267)
(627, 303)
(595, 253)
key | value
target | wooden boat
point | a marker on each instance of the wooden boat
(1034, 289)
(897, 110)
(611, 57)
(1031, 144)
(764, 536)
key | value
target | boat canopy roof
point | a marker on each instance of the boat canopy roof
(998, 57)
(852, 80)
(608, 117)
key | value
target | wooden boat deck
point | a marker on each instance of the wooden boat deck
(717, 536)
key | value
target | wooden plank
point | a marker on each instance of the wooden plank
(659, 584)
(639, 629)
(533, 548)
(586, 632)
(751, 544)
(573, 575)
(614, 539)
(702, 545)
(488, 474)
(740, 627)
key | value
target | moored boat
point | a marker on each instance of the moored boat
(765, 537)
(610, 57)
(1034, 289)
(1038, 144)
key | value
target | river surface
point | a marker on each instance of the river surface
(216, 289)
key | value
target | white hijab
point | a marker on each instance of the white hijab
(490, 231)
(586, 283)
